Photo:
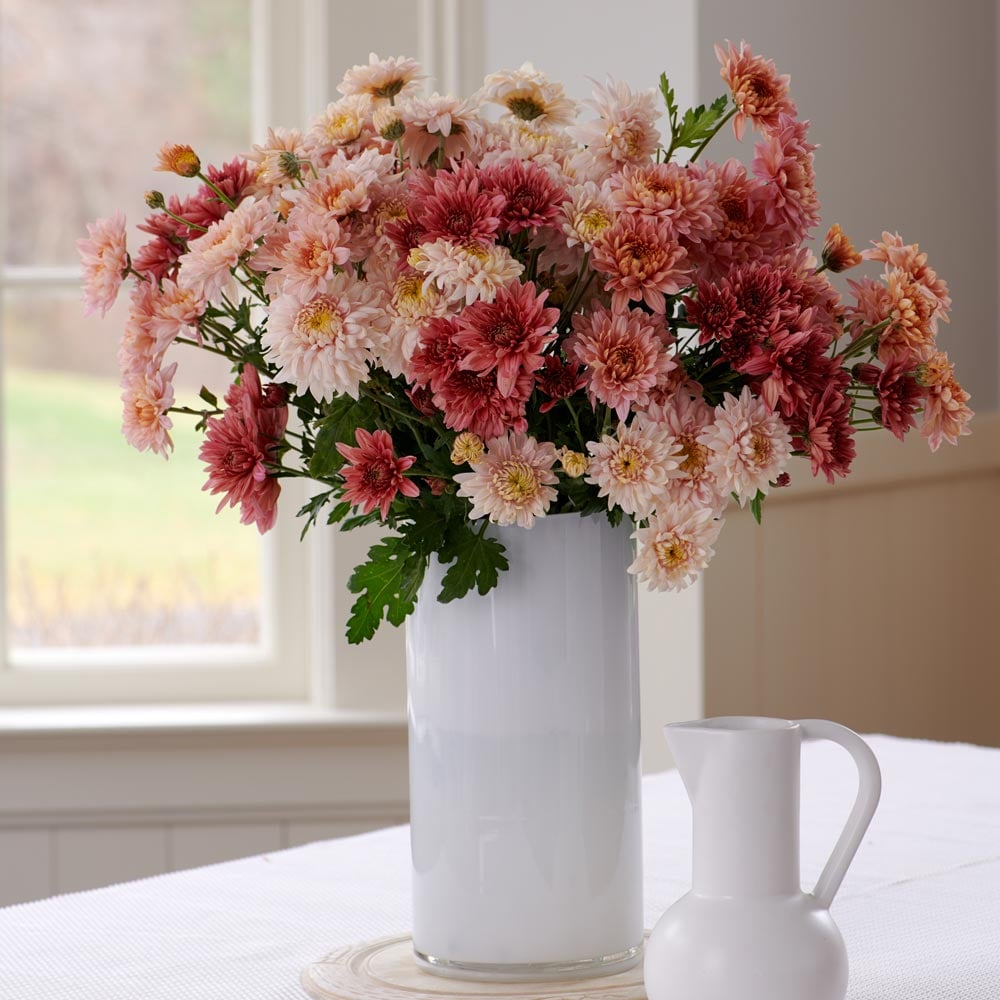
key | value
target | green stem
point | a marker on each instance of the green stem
(223, 197)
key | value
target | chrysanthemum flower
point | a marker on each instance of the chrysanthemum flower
(324, 344)
(174, 311)
(907, 257)
(750, 445)
(472, 402)
(838, 251)
(684, 416)
(530, 96)
(104, 259)
(759, 92)
(512, 483)
(468, 271)
(467, 448)
(178, 158)
(787, 197)
(312, 253)
(146, 397)
(141, 348)
(279, 159)
(682, 199)
(436, 357)
(558, 380)
(383, 79)
(157, 258)
(506, 335)
(438, 122)
(234, 179)
(643, 263)
(624, 356)
(455, 205)
(374, 476)
(899, 396)
(343, 187)
(240, 445)
(676, 546)
(531, 197)
(586, 213)
(631, 469)
(206, 267)
(624, 132)
(413, 302)
(911, 308)
(341, 123)
(826, 434)
(946, 410)
(574, 463)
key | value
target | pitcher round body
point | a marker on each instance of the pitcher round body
(524, 762)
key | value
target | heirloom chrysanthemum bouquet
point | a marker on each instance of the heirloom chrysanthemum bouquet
(451, 313)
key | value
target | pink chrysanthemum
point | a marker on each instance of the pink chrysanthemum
(826, 434)
(345, 186)
(531, 196)
(312, 253)
(558, 380)
(413, 303)
(784, 165)
(455, 205)
(624, 355)
(146, 398)
(206, 267)
(436, 357)
(468, 271)
(946, 410)
(631, 469)
(676, 546)
(642, 261)
(104, 258)
(382, 79)
(683, 199)
(624, 132)
(241, 444)
(278, 159)
(529, 96)
(437, 122)
(324, 344)
(506, 335)
(512, 483)
(174, 312)
(684, 417)
(911, 309)
(472, 402)
(750, 445)
(759, 92)
(374, 476)
(899, 397)
(907, 257)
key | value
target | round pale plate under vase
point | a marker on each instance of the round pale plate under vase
(387, 970)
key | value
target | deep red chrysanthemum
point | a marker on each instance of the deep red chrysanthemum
(158, 257)
(531, 197)
(437, 355)
(374, 476)
(506, 335)
(714, 311)
(233, 179)
(900, 396)
(452, 205)
(559, 380)
(240, 445)
(472, 402)
(826, 434)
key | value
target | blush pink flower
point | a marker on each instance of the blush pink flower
(624, 356)
(826, 434)
(749, 445)
(383, 79)
(311, 255)
(506, 335)
(104, 258)
(374, 476)
(455, 206)
(625, 130)
(684, 416)
(175, 311)
(784, 164)
(146, 398)
(241, 444)
(278, 159)
(531, 197)
(344, 186)
(438, 122)
(642, 262)
(759, 92)
(631, 469)
(141, 348)
(676, 546)
(513, 482)
(908, 257)
(946, 410)
(528, 95)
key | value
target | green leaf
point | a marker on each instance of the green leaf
(339, 512)
(756, 505)
(387, 585)
(206, 394)
(699, 123)
(344, 417)
(310, 510)
(669, 99)
(476, 561)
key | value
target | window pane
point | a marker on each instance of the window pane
(92, 88)
(106, 546)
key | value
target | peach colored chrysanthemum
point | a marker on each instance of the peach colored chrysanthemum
(642, 262)
(467, 270)
(178, 158)
(206, 267)
(631, 469)
(892, 251)
(676, 546)
(312, 253)
(839, 253)
(910, 307)
(685, 416)
(374, 476)
(438, 122)
(345, 186)
(325, 343)
(341, 123)
(625, 130)
(946, 410)
(784, 165)
(383, 79)
(682, 199)
(104, 258)
(624, 356)
(512, 483)
(175, 312)
(529, 95)
(759, 91)
(279, 159)
(146, 398)
(750, 445)
(587, 213)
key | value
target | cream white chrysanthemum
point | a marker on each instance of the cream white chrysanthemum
(676, 546)
(529, 96)
(512, 483)
(341, 123)
(631, 469)
(412, 303)
(468, 271)
(324, 344)
(624, 131)
(278, 159)
(383, 79)
(439, 122)
(587, 213)
(749, 445)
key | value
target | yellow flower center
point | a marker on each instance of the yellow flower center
(695, 456)
(760, 448)
(515, 481)
(593, 222)
(320, 321)
(629, 464)
(671, 551)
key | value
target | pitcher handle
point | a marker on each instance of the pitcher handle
(869, 792)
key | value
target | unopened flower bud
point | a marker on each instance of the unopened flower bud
(865, 373)
(154, 199)
(783, 480)
(175, 158)
(468, 447)
(388, 122)
(838, 251)
(574, 463)
(436, 486)
(877, 415)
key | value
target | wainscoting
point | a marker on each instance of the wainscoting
(874, 603)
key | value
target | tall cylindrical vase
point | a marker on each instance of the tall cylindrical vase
(524, 762)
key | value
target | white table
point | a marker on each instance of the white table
(920, 909)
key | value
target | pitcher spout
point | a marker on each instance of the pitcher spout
(690, 744)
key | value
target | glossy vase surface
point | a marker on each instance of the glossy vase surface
(524, 762)
(746, 929)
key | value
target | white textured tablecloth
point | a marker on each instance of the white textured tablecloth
(920, 909)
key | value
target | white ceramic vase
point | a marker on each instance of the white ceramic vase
(524, 762)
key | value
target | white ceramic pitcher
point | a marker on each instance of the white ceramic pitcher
(746, 929)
